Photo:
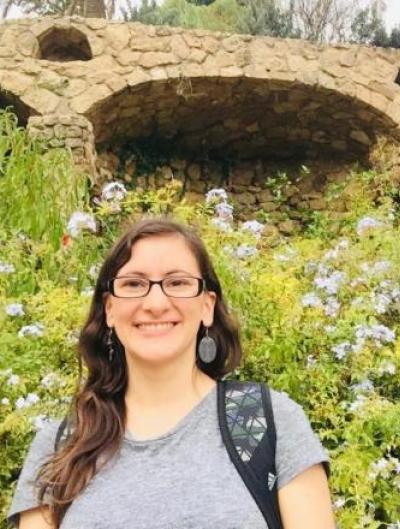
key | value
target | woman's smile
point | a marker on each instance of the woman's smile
(155, 328)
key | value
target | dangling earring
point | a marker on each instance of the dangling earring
(110, 345)
(207, 349)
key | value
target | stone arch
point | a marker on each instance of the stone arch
(64, 44)
(241, 117)
(16, 105)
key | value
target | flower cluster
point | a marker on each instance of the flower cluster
(35, 330)
(335, 252)
(367, 224)
(25, 402)
(51, 380)
(113, 192)
(6, 268)
(15, 309)
(244, 250)
(254, 227)
(79, 222)
(380, 334)
(383, 467)
(223, 210)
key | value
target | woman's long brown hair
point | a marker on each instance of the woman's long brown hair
(98, 413)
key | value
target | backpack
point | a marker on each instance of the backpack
(247, 428)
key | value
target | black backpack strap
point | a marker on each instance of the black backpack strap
(62, 433)
(247, 429)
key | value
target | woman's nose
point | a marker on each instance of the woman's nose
(156, 298)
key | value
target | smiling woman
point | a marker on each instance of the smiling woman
(144, 448)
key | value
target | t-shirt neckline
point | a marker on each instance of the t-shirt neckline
(192, 415)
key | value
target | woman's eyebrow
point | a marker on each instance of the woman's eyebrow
(143, 274)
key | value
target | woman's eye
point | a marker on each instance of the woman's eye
(134, 283)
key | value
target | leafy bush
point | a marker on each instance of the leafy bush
(319, 317)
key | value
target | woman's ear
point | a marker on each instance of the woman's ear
(108, 306)
(209, 305)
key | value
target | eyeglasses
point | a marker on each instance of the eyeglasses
(173, 287)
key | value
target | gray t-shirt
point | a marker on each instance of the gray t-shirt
(183, 479)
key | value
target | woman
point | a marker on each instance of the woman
(145, 449)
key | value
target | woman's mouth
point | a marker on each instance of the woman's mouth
(156, 328)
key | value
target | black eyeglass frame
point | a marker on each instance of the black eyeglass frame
(202, 287)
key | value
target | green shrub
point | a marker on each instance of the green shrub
(319, 317)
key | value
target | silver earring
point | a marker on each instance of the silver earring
(207, 348)
(110, 345)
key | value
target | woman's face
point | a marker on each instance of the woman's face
(156, 328)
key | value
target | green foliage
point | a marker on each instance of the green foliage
(265, 17)
(319, 315)
(38, 188)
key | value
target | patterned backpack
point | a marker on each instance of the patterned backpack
(247, 428)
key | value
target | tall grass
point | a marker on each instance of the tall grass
(39, 188)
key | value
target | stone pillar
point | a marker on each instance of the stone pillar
(70, 131)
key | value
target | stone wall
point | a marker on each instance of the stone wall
(282, 195)
(205, 92)
(93, 85)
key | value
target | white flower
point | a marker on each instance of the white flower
(94, 271)
(80, 221)
(358, 403)
(381, 467)
(395, 464)
(244, 250)
(341, 350)
(381, 302)
(379, 333)
(20, 403)
(339, 503)
(395, 525)
(29, 400)
(253, 226)
(329, 329)
(35, 330)
(13, 380)
(224, 211)
(5, 401)
(6, 268)
(365, 386)
(50, 380)
(221, 224)
(387, 367)
(311, 300)
(15, 309)
(87, 292)
(330, 283)
(113, 191)
(334, 253)
(216, 194)
(366, 224)
(32, 398)
(331, 307)
(311, 361)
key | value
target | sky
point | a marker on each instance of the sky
(392, 14)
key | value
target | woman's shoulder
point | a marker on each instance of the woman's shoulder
(45, 437)
(298, 446)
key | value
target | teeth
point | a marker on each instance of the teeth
(155, 326)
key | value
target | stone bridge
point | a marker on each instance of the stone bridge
(89, 83)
